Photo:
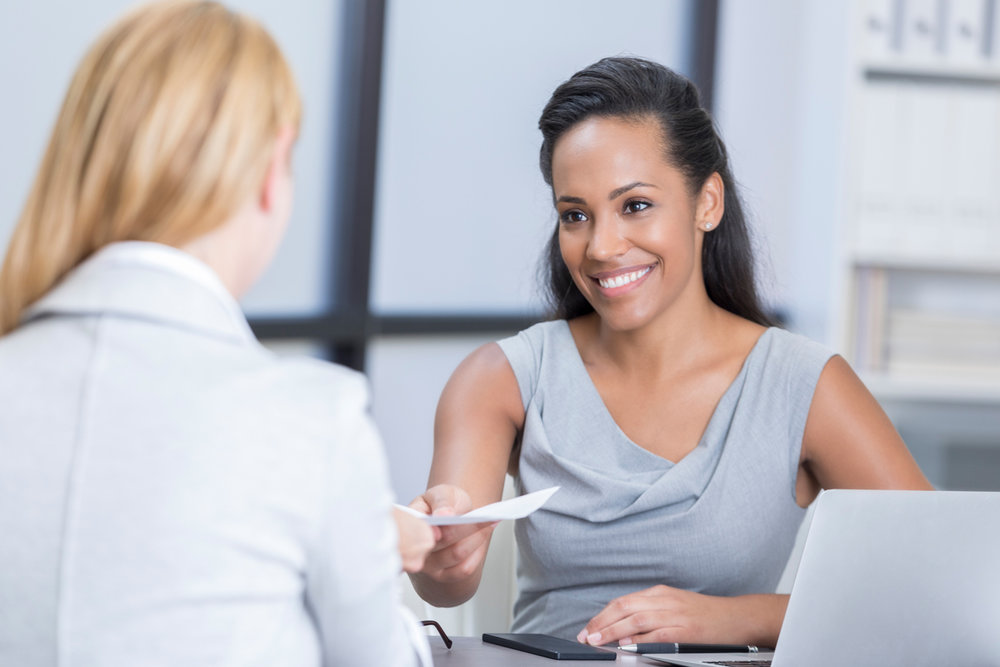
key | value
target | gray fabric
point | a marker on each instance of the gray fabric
(171, 493)
(722, 521)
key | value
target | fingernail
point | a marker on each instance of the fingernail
(594, 639)
(582, 637)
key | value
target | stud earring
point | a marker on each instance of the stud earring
(708, 226)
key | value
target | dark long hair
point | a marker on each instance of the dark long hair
(631, 88)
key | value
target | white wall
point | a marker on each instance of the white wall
(40, 45)
(780, 104)
(407, 375)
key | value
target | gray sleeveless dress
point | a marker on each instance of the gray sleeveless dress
(722, 521)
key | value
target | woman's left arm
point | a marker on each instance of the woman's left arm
(849, 442)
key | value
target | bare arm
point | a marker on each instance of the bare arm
(478, 420)
(849, 442)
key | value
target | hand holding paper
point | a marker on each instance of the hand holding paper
(515, 508)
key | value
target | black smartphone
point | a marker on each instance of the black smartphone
(548, 646)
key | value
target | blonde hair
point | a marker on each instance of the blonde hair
(166, 129)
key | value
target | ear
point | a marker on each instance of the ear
(710, 204)
(278, 167)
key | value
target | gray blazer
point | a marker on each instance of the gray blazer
(171, 493)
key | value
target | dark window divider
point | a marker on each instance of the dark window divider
(704, 33)
(353, 222)
(334, 330)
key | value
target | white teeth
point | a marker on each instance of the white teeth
(623, 279)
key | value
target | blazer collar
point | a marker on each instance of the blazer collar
(148, 281)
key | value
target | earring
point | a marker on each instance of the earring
(708, 226)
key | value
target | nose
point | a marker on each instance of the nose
(606, 239)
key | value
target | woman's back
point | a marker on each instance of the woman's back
(172, 493)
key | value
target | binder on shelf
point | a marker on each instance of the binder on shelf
(974, 184)
(869, 322)
(966, 32)
(922, 38)
(879, 30)
(992, 36)
(927, 150)
(879, 177)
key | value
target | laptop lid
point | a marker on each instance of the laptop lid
(897, 578)
(891, 578)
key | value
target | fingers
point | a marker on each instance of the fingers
(416, 540)
(642, 626)
(447, 499)
(649, 615)
(460, 550)
(420, 504)
(442, 500)
(459, 553)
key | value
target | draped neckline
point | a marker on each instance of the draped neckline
(595, 401)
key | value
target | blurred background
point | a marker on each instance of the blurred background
(865, 134)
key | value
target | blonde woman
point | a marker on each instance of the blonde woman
(170, 492)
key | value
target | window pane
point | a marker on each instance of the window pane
(407, 375)
(54, 35)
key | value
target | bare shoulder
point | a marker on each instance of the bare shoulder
(849, 440)
(840, 389)
(487, 360)
(478, 422)
(485, 375)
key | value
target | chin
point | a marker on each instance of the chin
(622, 322)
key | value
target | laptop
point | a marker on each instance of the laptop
(889, 578)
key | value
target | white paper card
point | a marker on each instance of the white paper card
(515, 508)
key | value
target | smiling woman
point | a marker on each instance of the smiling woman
(630, 250)
(687, 434)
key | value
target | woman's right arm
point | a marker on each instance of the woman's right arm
(479, 418)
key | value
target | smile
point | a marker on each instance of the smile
(623, 278)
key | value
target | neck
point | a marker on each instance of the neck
(228, 250)
(667, 342)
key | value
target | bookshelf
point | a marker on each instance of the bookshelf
(921, 251)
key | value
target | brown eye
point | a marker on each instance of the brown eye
(636, 205)
(571, 216)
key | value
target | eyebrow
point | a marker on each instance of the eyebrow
(618, 192)
(615, 194)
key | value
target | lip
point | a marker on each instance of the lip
(644, 269)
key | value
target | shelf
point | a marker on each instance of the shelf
(978, 265)
(933, 389)
(940, 73)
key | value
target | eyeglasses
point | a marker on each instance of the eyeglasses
(437, 626)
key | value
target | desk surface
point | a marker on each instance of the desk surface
(473, 652)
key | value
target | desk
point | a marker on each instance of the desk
(473, 652)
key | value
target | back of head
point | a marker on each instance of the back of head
(626, 87)
(165, 131)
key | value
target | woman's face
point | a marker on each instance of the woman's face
(630, 231)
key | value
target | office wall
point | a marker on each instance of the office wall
(784, 106)
(40, 45)
(780, 104)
